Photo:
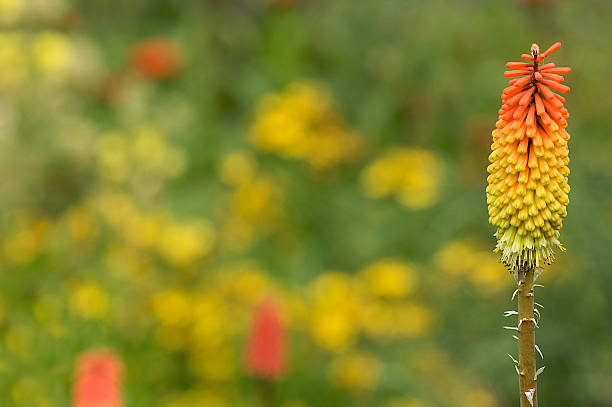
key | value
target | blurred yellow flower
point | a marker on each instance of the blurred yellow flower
(210, 322)
(80, 222)
(480, 398)
(487, 274)
(216, 364)
(14, 63)
(179, 243)
(333, 329)
(52, 52)
(389, 279)
(256, 207)
(27, 241)
(245, 283)
(153, 154)
(49, 55)
(355, 371)
(144, 230)
(10, 10)
(89, 300)
(333, 322)
(332, 287)
(236, 234)
(182, 244)
(199, 398)
(113, 160)
(481, 267)
(302, 123)
(412, 175)
(237, 167)
(259, 202)
(130, 264)
(143, 155)
(376, 319)
(412, 320)
(173, 307)
(116, 208)
(401, 320)
(455, 258)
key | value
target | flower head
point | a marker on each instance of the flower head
(266, 346)
(527, 191)
(98, 380)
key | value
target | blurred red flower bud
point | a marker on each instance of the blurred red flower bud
(157, 58)
(266, 345)
(98, 380)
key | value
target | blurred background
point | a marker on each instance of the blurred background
(168, 166)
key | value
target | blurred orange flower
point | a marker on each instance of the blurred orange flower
(266, 346)
(157, 58)
(98, 380)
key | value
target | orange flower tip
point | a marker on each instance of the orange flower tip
(520, 82)
(539, 105)
(560, 70)
(526, 98)
(518, 65)
(556, 86)
(538, 76)
(527, 57)
(546, 66)
(552, 49)
(560, 99)
(521, 72)
(552, 76)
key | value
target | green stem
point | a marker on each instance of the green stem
(526, 335)
(266, 392)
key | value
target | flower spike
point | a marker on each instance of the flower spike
(527, 195)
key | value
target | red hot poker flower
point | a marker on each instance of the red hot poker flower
(98, 380)
(266, 344)
(528, 186)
